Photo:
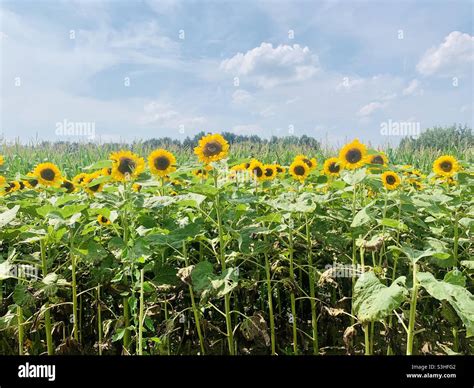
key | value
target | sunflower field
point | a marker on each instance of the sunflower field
(156, 254)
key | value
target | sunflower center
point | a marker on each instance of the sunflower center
(334, 167)
(126, 166)
(446, 166)
(48, 174)
(258, 171)
(353, 155)
(161, 163)
(377, 160)
(68, 186)
(94, 188)
(212, 148)
(33, 182)
(299, 170)
(390, 179)
(268, 172)
(103, 219)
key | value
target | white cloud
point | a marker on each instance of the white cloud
(268, 112)
(269, 66)
(370, 108)
(413, 88)
(164, 115)
(241, 96)
(454, 55)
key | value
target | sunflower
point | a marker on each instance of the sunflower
(200, 173)
(256, 168)
(415, 183)
(103, 220)
(78, 180)
(269, 172)
(3, 181)
(299, 170)
(136, 187)
(92, 189)
(280, 169)
(126, 165)
(390, 180)
(106, 171)
(353, 155)
(311, 163)
(68, 186)
(48, 174)
(31, 181)
(12, 187)
(161, 162)
(212, 148)
(240, 167)
(332, 167)
(446, 166)
(379, 158)
(1, 160)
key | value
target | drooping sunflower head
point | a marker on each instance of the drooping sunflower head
(256, 168)
(379, 158)
(332, 167)
(212, 148)
(12, 187)
(446, 166)
(48, 174)
(280, 169)
(311, 163)
(136, 187)
(269, 172)
(103, 220)
(31, 181)
(126, 165)
(353, 155)
(200, 173)
(78, 180)
(299, 170)
(390, 180)
(68, 186)
(90, 186)
(161, 162)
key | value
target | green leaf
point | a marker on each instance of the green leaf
(354, 177)
(210, 284)
(373, 300)
(455, 277)
(361, 218)
(6, 270)
(22, 297)
(391, 223)
(201, 275)
(165, 275)
(413, 254)
(458, 297)
(7, 216)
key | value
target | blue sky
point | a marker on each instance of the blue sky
(333, 70)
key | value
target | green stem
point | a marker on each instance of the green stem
(270, 300)
(411, 322)
(19, 312)
(354, 252)
(312, 294)
(141, 313)
(47, 313)
(456, 238)
(99, 320)
(194, 307)
(230, 335)
(292, 293)
(126, 318)
(367, 339)
(74, 298)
